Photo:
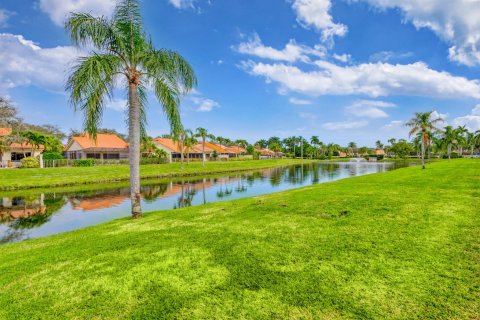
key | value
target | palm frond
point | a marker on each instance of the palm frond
(85, 29)
(90, 83)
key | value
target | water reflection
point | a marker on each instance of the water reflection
(38, 214)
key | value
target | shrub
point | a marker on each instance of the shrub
(453, 155)
(380, 157)
(30, 162)
(52, 156)
(83, 163)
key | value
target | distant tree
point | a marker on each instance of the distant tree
(378, 144)
(203, 134)
(35, 139)
(449, 138)
(423, 122)
(275, 147)
(402, 149)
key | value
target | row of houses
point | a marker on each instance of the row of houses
(113, 147)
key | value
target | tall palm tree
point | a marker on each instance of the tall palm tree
(122, 50)
(189, 142)
(449, 138)
(379, 144)
(470, 142)
(460, 132)
(315, 141)
(203, 134)
(423, 122)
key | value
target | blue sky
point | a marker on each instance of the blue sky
(345, 70)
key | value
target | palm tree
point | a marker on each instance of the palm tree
(123, 50)
(275, 147)
(449, 138)
(461, 139)
(470, 142)
(148, 146)
(378, 144)
(180, 136)
(315, 141)
(35, 139)
(203, 134)
(189, 142)
(352, 146)
(423, 122)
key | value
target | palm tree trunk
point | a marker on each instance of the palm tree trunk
(423, 154)
(181, 153)
(449, 150)
(134, 149)
(203, 153)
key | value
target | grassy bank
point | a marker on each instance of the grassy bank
(14, 179)
(398, 245)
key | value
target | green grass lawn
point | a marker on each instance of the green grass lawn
(398, 245)
(13, 179)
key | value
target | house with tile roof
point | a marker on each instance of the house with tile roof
(173, 149)
(12, 153)
(107, 146)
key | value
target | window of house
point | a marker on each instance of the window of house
(17, 156)
(93, 155)
(111, 156)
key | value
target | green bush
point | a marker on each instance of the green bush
(83, 163)
(30, 162)
(380, 157)
(52, 156)
(453, 155)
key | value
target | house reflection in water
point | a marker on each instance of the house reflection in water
(18, 208)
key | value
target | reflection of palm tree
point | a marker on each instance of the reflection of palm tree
(203, 190)
(151, 193)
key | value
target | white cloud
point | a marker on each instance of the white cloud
(58, 10)
(182, 4)
(394, 125)
(117, 104)
(437, 115)
(342, 57)
(25, 63)
(291, 53)
(369, 108)
(454, 21)
(371, 79)
(344, 125)
(300, 102)
(386, 56)
(4, 16)
(203, 104)
(471, 121)
(316, 13)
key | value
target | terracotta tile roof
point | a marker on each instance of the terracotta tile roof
(25, 145)
(199, 148)
(216, 147)
(380, 152)
(265, 152)
(176, 147)
(104, 141)
(5, 131)
(236, 149)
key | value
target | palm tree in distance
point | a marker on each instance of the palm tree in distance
(190, 141)
(423, 122)
(122, 50)
(203, 134)
(449, 139)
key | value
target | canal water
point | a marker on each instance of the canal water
(37, 213)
